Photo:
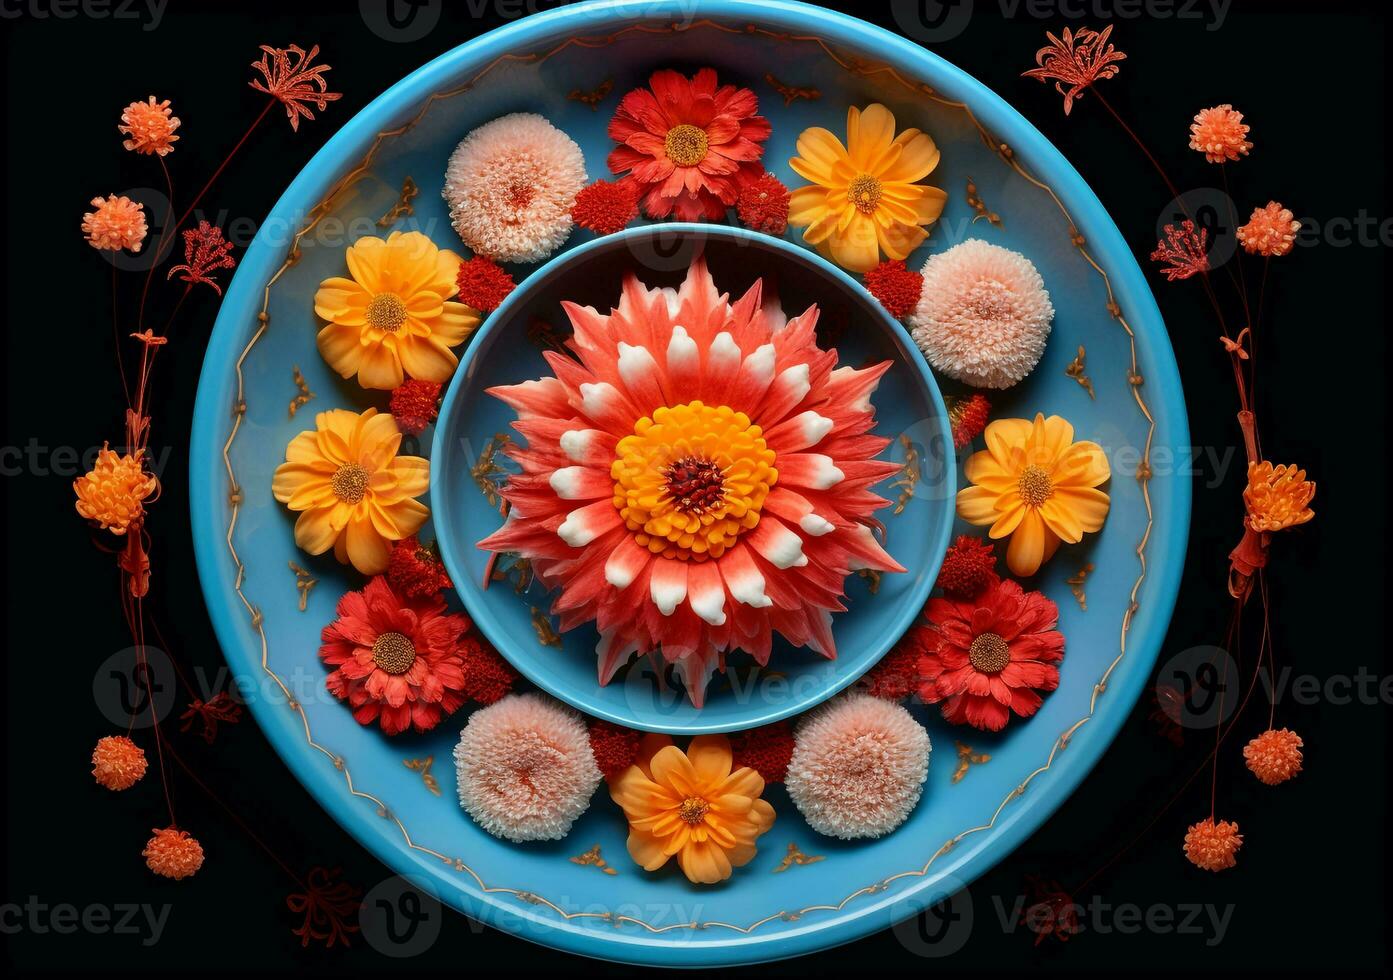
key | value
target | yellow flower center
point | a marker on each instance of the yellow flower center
(386, 311)
(864, 194)
(693, 810)
(1035, 485)
(350, 483)
(691, 479)
(393, 653)
(989, 653)
(686, 145)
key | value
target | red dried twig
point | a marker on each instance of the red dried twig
(1077, 60)
(294, 82)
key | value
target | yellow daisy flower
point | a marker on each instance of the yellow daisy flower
(1035, 484)
(394, 317)
(353, 492)
(693, 806)
(864, 198)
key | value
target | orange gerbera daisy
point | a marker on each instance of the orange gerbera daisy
(1036, 485)
(691, 805)
(353, 492)
(864, 198)
(394, 317)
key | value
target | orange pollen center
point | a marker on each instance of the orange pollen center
(393, 653)
(691, 479)
(686, 145)
(989, 653)
(1035, 486)
(864, 194)
(386, 311)
(693, 810)
(350, 483)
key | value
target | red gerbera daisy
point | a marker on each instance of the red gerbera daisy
(688, 144)
(396, 661)
(995, 654)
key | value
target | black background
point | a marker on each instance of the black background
(1310, 890)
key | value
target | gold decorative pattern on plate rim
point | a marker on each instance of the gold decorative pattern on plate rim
(860, 69)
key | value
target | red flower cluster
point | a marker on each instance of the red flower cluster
(969, 567)
(896, 677)
(994, 657)
(615, 748)
(395, 661)
(605, 207)
(415, 571)
(483, 283)
(767, 750)
(415, 404)
(487, 676)
(205, 252)
(968, 417)
(763, 205)
(896, 286)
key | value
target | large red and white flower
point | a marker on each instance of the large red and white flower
(696, 478)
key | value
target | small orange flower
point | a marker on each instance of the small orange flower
(1270, 231)
(172, 853)
(1277, 497)
(1219, 134)
(691, 805)
(114, 491)
(1213, 846)
(117, 762)
(117, 223)
(1274, 756)
(150, 127)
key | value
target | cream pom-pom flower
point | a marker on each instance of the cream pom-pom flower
(858, 767)
(526, 770)
(983, 315)
(511, 184)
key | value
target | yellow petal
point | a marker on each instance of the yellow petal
(672, 768)
(367, 550)
(983, 469)
(977, 505)
(868, 132)
(704, 863)
(365, 258)
(1011, 510)
(314, 532)
(818, 152)
(918, 157)
(409, 475)
(304, 448)
(710, 758)
(1060, 518)
(1027, 548)
(399, 519)
(646, 850)
(857, 249)
(899, 240)
(1088, 506)
(454, 324)
(1084, 464)
(342, 300)
(822, 229)
(1002, 436)
(1054, 434)
(421, 358)
(341, 347)
(806, 205)
(380, 368)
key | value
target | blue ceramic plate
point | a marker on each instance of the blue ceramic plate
(909, 411)
(960, 828)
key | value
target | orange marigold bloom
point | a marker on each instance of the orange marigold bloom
(1277, 497)
(114, 491)
(117, 223)
(1270, 231)
(1218, 134)
(1274, 756)
(173, 853)
(690, 804)
(1213, 846)
(117, 762)
(150, 127)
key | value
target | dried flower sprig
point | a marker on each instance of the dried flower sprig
(205, 252)
(290, 79)
(1078, 59)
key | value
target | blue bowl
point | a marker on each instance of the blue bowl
(909, 410)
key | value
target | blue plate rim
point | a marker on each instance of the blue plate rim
(210, 481)
(447, 536)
